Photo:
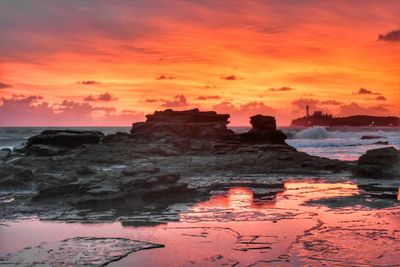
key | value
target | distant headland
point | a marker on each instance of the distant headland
(318, 118)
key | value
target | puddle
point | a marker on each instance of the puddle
(309, 223)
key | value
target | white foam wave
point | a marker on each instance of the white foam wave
(317, 132)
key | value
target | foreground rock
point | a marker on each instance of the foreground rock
(263, 132)
(382, 163)
(156, 161)
(188, 124)
(77, 251)
(54, 142)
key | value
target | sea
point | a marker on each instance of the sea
(343, 143)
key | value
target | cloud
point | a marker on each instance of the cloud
(363, 91)
(330, 102)
(381, 98)
(229, 78)
(4, 85)
(165, 77)
(32, 110)
(241, 113)
(102, 97)
(355, 109)
(392, 36)
(281, 89)
(209, 97)
(302, 103)
(177, 102)
(89, 82)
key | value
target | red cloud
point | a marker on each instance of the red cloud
(281, 89)
(240, 114)
(229, 78)
(179, 101)
(89, 82)
(33, 111)
(165, 77)
(102, 97)
(355, 109)
(208, 97)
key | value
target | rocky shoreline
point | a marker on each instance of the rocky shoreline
(59, 172)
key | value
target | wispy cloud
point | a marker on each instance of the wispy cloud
(102, 97)
(281, 89)
(392, 36)
(5, 85)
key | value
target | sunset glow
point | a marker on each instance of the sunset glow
(112, 62)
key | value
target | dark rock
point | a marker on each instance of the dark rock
(44, 150)
(85, 170)
(381, 143)
(272, 137)
(371, 137)
(65, 138)
(263, 123)
(4, 153)
(185, 124)
(56, 190)
(263, 131)
(77, 251)
(117, 138)
(379, 163)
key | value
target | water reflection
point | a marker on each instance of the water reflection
(296, 225)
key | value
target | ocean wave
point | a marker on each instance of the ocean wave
(317, 132)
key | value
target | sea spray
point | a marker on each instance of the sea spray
(317, 132)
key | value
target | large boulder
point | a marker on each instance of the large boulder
(263, 131)
(380, 163)
(53, 142)
(183, 124)
(263, 123)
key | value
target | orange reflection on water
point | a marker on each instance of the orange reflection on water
(243, 198)
(236, 198)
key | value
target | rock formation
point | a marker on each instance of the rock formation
(54, 142)
(263, 131)
(184, 124)
(382, 163)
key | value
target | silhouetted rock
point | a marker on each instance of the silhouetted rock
(380, 163)
(65, 138)
(263, 123)
(184, 124)
(4, 153)
(367, 137)
(263, 131)
(55, 142)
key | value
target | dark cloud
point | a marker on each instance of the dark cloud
(363, 91)
(89, 82)
(208, 97)
(392, 36)
(281, 89)
(241, 113)
(381, 97)
(178, 101)
(302, 103)
(5, 85)
(152, 100)
(106, 97)
(355, 109)
(165, 77)
(229, 78)
(34, 111)
(330, 102)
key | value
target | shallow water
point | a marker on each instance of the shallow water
(310, 223)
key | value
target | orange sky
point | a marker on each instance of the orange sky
(110, 62)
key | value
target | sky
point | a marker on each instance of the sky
(109, 63)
